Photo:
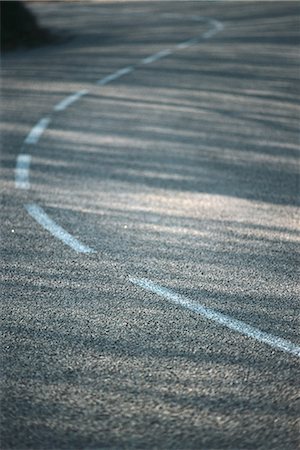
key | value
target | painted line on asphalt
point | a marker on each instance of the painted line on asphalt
(157, 56)
(22, 172)
(222, 319)
(208, 34)
(23, 161)
(115, 75)
(70, 99)
(57, 231)
(218, 26)
(37, 131)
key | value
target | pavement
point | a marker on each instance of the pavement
(150, 228)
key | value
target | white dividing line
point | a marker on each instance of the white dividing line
(44, 220)
(227, 321)
(37, 131)
(115, 75)
(22, 172)
(210, 33)
(69, 100)
(218, 26)
(156, 56)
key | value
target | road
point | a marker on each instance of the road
(150, 235)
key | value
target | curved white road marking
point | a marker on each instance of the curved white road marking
(23, 161)
(37, 131)
(156, 56)
(115, 75)
(22, 171)
(211, 314)
(70, 99)
(44, 220)
(218, 26)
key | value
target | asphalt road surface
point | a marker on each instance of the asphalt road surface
(149, 171)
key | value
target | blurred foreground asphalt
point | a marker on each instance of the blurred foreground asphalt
(184, 172)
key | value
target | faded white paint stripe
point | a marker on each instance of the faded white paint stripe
(217, 26)
(44, 220)
(211, 314)
(37, 131)
(210, 33)
(156, 56)
(22, 171)
(70, 99)
(115, 75)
